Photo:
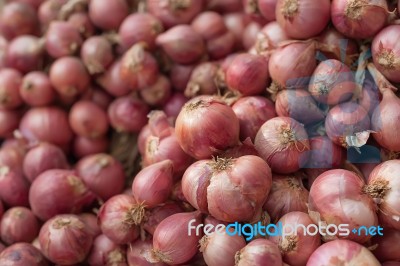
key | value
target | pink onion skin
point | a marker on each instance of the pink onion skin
(182, 44)
(167, 248)
(325, 154)
(106, 252)
(259, 252)
(179, 75)
(157, 214)
(48, 11)
(387, 245)
(14, 188)
(252, 112)
(332, 82)
(171, 13)
(62, 39)
(3, 51)
(102, 174)
(250, 34)
(291, 64)
(137, 253)
(144, 133)
(334, 197)
(299, 105)
(344, 120)
(100, 10)
(21, 254)
(283, 143)
(342, 251)
(98, 96)
(90, 219)
(219, 248)
(174, 105)
(297, 247)
(269, 37)
(363, 20)
(267, 9)
(386, 52)
(302, 19)
(383, 187)
(19, 224)
(222, 46)
(248, 74)
(236, 23)
(82, 22)
(202, 80)
(97, 54)
(209, 24)
(153, 184)
(335, 41)
(111, 82)
(158, 93)
(84, 146)
(36, 89)
(115, 219)
(47, 124)
(12, 155)
(65, 239)
(43, 157)
(287, 195)
(201, 144)
(244, 148)
(9, 119)
(10, 81)
(65, 193)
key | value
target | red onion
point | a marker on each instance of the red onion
(171, 242)
(386, 52)
(3, 51)
(65, 239)
(302, 19)
(370, 96)
(203, 80)
(22, 254)
(386, 245)
(296, 245)
(138, 67)
(111, 82)
(48, 11)
(244, 148)
(346, 120)
(283, 143)
(287, 195)
(19, 224)
(179, 76)
(158, 93)
(343, 252)
(119, 219)
(18, 19)
(9, 121)
(102, 174)
(98, 96)
(43, 157)
(209, 24)
(332, 82)
(64, 193)
(291, 65)
(236, 23)
(36, 89)
(270, 37)
(62, 39)
(224, 6)
(90, 220)
(257, 253)
(182, 44)
(14, 188)
(97, 54)
(248, 74)
(229, 189)
(299, 105)
(267, 9)
(383, 188)
(106, 252)
(144, 133)
(12, 155)
(337, 197)
(335, 42)
(85, 146)
(390, 263)
(128, 114)
(325, 154)
(156, 215)
(174, 12)
(137, 253)
(139, 27)
(100, 13)
(174, 104)
(82, 23)
(10, 81)
(87, 119)
(250, 33)
(1, 214)
(69, 76)
(34, 3)
(211, 139)
(48, 124)
(359, 19)
(219, 248)
(252, 112)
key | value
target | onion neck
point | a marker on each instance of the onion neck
(288, 244)
(252, 7)
(354, 8)
(377, 189)
(290, 8)
(179, 4)
(221, 164)
(135, 215)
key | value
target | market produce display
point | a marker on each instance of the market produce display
(200, 132)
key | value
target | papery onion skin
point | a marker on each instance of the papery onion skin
(158, 93)
(338, 252)
(296, 247)
(336, 42)
(270, 37)
(209, 24)
(259, 252)
(62, 39)
(36, 89)
(85, 146)
(337, 197)
(359, 19)
(21, 254)
(97, 54)
(283, 143)
(14, 188)
(9, 119)
(10, 81)
(219, 127)
(106, 252)
(325, 154)
(157, 214)
(90, 219)
(100, 13)
(111, 82)
(137, 253)
(387, 245)
(202, 80)
(65, 239)
(302, 19)
(82, 22)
